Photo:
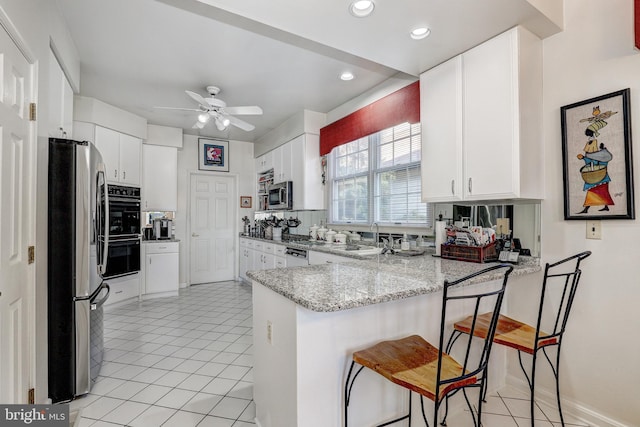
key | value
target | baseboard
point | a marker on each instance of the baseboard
(577, 410)
(183, 285)
(255, 420)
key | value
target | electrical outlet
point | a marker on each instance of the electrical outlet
(269, 332)
(594, 230)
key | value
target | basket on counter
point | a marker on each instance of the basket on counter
(470, 253)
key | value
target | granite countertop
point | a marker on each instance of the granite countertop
(371, 280)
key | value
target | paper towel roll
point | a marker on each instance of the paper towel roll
(441, 235)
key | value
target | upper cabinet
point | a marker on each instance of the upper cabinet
(298, 161)
(481, 115)
(159, 178)
(264, 162)
(120, 152)
(60, 101)
(306, 172)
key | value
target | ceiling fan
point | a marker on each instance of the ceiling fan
(215, 109)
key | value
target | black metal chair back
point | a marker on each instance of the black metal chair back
(559, 287)
(473, 366)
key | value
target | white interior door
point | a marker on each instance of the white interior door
(213, 209)
(16, 219)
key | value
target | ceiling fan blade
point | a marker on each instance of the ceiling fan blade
(244, 110)
(198, 98)
(198, 125)
(240, 123)
(178, 108)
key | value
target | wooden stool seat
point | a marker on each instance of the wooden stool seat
(509, 332)
(427, 370)
(563, 277)
(413, 363)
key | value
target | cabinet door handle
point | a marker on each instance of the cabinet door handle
(469, 185)
(195, 235)
(150, 260)
(453, 189)
(115, 173)
(124, 174)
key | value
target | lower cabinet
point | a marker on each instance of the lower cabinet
(161, 269)
(259, 255)
(316, 258)
(123, 288)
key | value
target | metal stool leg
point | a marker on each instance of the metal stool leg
(347, 391)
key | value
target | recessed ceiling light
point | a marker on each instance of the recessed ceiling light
(346, 76)
(420, 33)
(361, 8)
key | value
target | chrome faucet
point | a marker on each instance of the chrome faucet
(377, 233)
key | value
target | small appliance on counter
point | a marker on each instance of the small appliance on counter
(162, 228)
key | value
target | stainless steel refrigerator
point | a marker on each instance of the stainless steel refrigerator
(78, 239)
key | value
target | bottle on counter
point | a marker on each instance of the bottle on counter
(405, 246)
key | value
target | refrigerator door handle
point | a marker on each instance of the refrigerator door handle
(102, 183)
(96, 305)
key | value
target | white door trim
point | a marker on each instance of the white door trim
(35, 346)
(187, 259)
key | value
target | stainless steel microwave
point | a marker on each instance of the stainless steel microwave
(280, 195)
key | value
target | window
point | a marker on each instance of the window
(377, 178)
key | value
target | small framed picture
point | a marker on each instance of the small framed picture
(213, 155)
(245, 201)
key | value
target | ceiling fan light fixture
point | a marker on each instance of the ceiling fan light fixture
(361, 8)
(420, 33)
(203, 117)
(222, 123)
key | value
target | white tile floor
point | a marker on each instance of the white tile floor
(187, 361)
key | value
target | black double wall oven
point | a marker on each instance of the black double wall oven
(123, 257)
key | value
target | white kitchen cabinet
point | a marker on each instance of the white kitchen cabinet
(317, 258)
(306, 173)
(121, 154)
(264, 162)
(441, 119)
(60, 101)
(282, 163)
(481, 116)
(298, 161)
(161, 269)
(260, 255)
(246, 257)
(123, 288)
(159, 178)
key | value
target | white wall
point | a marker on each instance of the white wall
(240, 162)
(600, 369)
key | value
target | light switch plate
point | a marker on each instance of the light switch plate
(594, 230)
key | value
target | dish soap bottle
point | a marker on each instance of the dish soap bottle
(405, 243)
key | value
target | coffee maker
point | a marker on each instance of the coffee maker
(162, 228)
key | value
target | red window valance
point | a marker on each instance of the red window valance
(399, 107)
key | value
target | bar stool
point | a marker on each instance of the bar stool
(415, 364)
(558, 291)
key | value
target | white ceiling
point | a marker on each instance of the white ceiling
(282, 55)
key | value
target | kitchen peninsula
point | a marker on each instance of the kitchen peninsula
(309, 320)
